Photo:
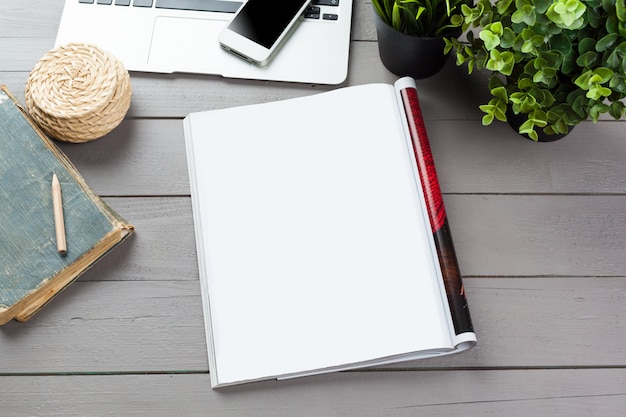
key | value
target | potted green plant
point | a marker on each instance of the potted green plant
(411, 33)
(553, 63)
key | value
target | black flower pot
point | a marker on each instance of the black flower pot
(406, 55)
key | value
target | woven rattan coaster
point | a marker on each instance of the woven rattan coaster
(78, 92)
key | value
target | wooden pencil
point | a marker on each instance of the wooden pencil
(57, 205)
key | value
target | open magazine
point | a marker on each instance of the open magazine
(322, 238)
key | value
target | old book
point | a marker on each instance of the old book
(32, 268)
(323, 242)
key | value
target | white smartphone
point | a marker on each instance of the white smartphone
(260, 27)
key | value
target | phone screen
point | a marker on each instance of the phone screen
(263, 21)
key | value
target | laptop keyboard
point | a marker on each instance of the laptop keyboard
(316, 11)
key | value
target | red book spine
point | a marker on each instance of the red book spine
(437, 213)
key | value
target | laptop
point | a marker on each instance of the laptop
(169, 36)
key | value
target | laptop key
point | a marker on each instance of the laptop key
(122, 2)
(223, 6)
(86, 1)
(142, 3)
(312, 12)
(105, 1)
(325, 2)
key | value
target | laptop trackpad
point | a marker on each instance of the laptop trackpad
(187, 44)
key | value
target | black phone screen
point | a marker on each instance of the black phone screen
(263, 21)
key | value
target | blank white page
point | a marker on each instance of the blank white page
(316, 251)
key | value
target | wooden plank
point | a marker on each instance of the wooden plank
(162, 248)
(543, 321)
(157, 326)
(534, 235)
(15, 81)
(31, 19)
(147, 157)
(494, 235)
(21, 54)
(111, 327)
(363, 27)
(142, 157)
(514, 393)
(472, 158)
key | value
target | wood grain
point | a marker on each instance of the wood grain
(156, 326)
(539, 229)
(147, 157)
(494, 235)
(513, 393)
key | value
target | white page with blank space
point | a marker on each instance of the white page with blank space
(315, 248)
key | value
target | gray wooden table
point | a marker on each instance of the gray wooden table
(540, 231)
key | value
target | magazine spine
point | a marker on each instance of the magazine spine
(446, 254)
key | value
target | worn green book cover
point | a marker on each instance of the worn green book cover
(32, 270)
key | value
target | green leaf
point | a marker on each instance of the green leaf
(538, 117)
(488, 116)
(548, 99)
(495, 82)
(557, 122)
(528, 128)
(503, 5)
(596, 110)
(583, 80)
(542, 5)
(500, 92)
(396, 19)
(448, 46)
(456, 20)
(587, 60)
(501, 62)
(560, 43)
(545, 76)
(596, 92)
(490, 39)
(496, 28)
(586, 45)
(528, 47)
(620, 8)
(617, 58)
(525, 13)
(525, 83)
(578, 105)
(420, 11)
(496, 109)
(567, 14)
(617, 109)
(507, 40)
(606, 42)
(618, 84)
(604, 73)
(500, 113)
